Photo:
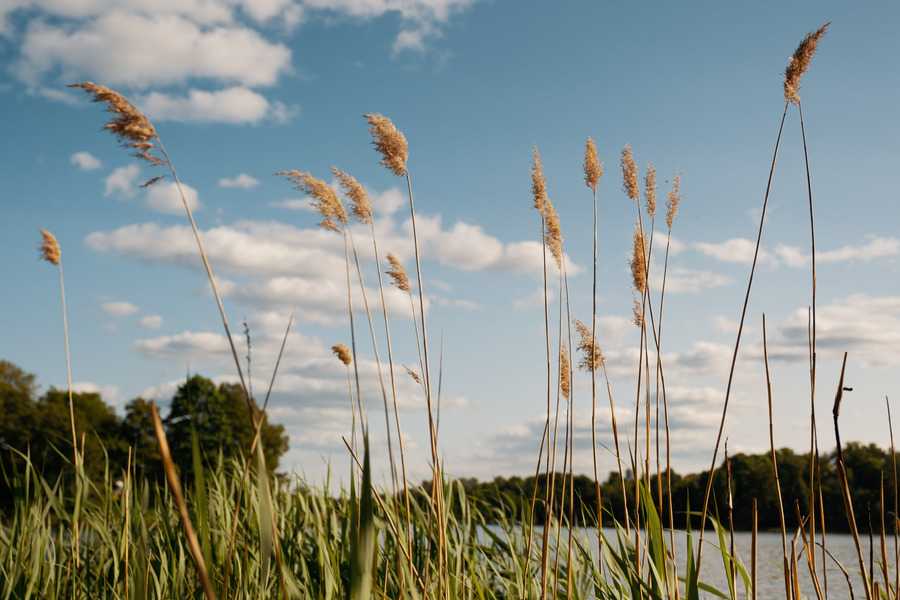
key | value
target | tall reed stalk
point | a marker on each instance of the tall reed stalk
(52, 254)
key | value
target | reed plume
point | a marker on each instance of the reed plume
(650, 190)
(324, 198)
(591, 355)
(132, 128)
(538, 182)
(629, 174)
(398, 274)
(553, 232)
(593, 168)
(362, 205)
(799, 63)
(413, 375)
(49, 248)
(672, 201)
(637, 314)
(565, 373)
(342, 352)
(390, 143)
(638, 262)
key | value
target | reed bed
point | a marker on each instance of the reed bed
(238, 533)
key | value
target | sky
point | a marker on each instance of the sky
(240, 89)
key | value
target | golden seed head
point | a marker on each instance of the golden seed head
(324, 199)
(415, 376)
(591, 356)
(650, 190)
(362, 206)
(343, 353)
(398, 274)
(637, 313)
(390, 143)
(638, 262)
(538, 183)
(553, 232)
(593, 169)
(799, 63)
(50, 248)
(128, 124)
(565, 373)
(629, 174)
(673, 201)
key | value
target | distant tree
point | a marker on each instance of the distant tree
(17, 406)
(137, 431)
(220, 418)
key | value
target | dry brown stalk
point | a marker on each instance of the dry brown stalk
(175, 486)
(787, 584)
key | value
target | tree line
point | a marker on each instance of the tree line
(38, 426)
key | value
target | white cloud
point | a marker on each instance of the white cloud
(242, 181)
(293, 204)
(165, 197)
(876, 247)
(119, 309)
(202, 343)
(151, 321)
(680, 280)
(85, 161)
(122, 181)
(735, 250)
(129, 49)
(235, 105)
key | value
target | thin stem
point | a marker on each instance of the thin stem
(737, 343)
(76, 534)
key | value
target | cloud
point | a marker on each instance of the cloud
(235, 105)
(735, 250)
(876, 247)
(136, 50)
(119, 309)
(242, 181)
(151, 321)
(301, 204)
(164, 197)
(85, 161)
(122, 181)
(680, 280)
(188, 343)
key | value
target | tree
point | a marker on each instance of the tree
(137, 431)
(220, 418)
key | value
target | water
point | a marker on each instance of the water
(769, 568)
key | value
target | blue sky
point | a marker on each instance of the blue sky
(242, 88)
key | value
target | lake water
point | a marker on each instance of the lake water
(769, 569)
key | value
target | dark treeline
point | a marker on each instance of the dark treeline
(867, 466)
(38, 425)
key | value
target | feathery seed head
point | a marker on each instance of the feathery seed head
(565, 373)
(650, 190)
(538, 183)
(629, 174)
(673, 201)
(390, 143)
(362, 206)
(638, 262)
(50, 248)
(637, 313)
(398, 274)
(593, 169)
(591, 356)
(553, 232)
(343, 353)
(415, 376)
(323, 197)
(128, 124)
(799, 63)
